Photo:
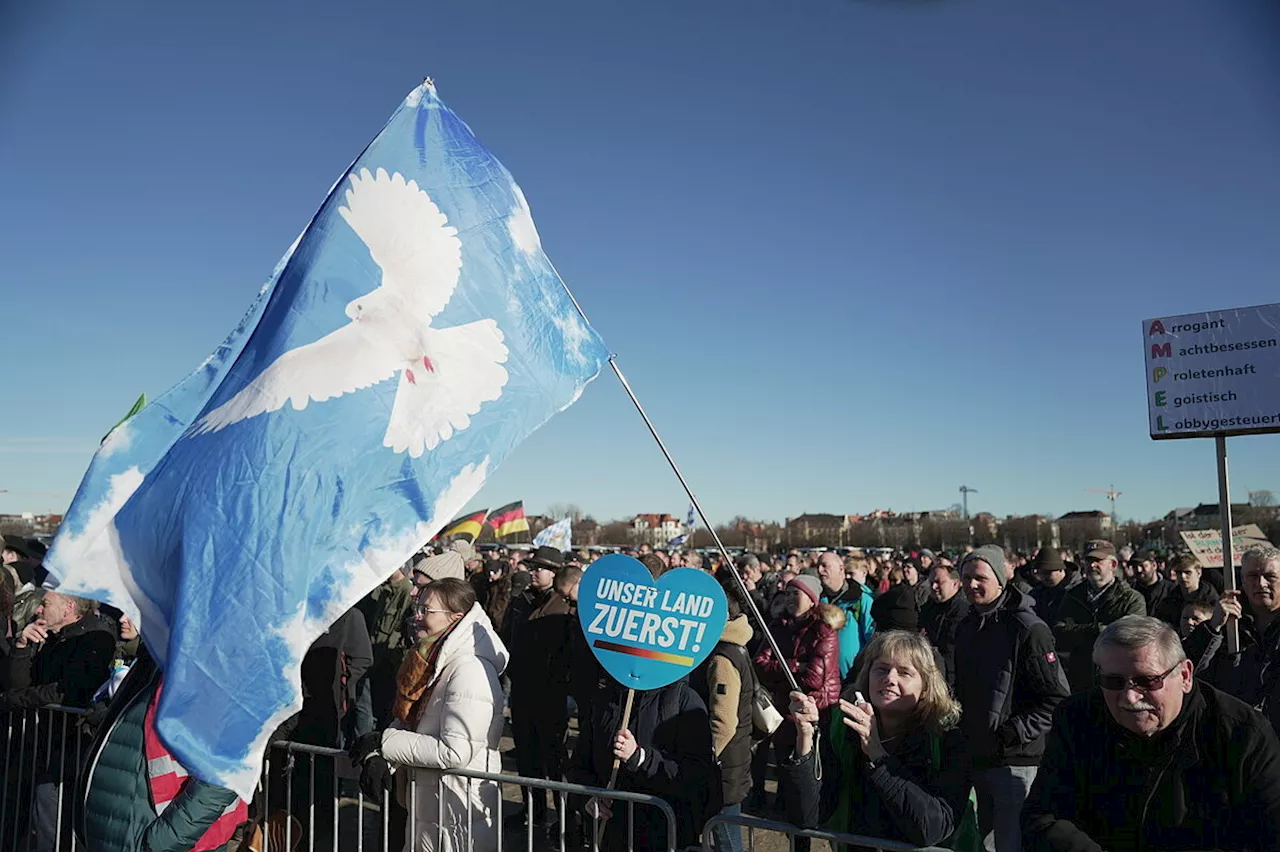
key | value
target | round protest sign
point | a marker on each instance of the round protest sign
(648, 633)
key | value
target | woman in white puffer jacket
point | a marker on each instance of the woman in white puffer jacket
(449, 716)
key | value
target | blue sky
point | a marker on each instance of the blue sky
(850, 254)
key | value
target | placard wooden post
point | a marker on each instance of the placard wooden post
(1228, 554)
(613, 774)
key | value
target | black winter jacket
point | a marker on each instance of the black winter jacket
(1155, 595)
(671, 726)
(916, 795)
(1210, 781)
(1008, 680)
(1049, 599)
(331, 668)
(66, 669)
(1170, 611)
(541, 648)
(939, 622)
(1252, 675)
(1081, 619)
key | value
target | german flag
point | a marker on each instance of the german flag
(508, 520)
(468, 527)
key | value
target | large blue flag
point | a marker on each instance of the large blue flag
(413, 335)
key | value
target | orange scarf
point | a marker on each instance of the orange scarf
(413, 681)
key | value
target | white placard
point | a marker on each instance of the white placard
(1213, 372)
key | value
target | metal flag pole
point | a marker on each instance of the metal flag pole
(742, 586)
(1228, 557)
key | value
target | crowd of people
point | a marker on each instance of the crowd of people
(981, 699)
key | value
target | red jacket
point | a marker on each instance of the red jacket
(811, 645)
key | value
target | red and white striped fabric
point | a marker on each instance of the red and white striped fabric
(166, 779)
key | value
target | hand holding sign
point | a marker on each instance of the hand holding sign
(648, 633)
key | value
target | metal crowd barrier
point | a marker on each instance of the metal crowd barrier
(44, 751)
(850, 842)
(300, 826)
(42, 760)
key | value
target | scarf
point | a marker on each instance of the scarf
(414, 680)
(166, 778)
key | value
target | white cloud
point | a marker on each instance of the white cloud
(118, 440)
(520, 225)
(575, 334)
(461, 488)
(92, 562)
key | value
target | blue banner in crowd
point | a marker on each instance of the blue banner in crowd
(408, 341)
(648, 633)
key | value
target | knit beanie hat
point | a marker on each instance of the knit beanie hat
(896, 609)
(811, 586)
(440, 566)
(991, 554)
(463, 548)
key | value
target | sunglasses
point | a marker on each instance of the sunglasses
(1143, 683)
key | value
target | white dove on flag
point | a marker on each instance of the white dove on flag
(446, 374)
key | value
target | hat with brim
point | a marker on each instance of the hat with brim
(547, 557)
(1099, 549)
(1048, 560)
(20, 546)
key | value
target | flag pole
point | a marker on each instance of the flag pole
(715, 536)
(742, 586)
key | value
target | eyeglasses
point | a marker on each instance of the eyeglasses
(422, 610)
(1143, 683)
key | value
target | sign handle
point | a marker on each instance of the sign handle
(613, 774)
(1228, 557)
(626, 721)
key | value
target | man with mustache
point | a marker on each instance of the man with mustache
(1154, 759)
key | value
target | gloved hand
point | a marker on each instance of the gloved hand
(376, 778)
(365, 746)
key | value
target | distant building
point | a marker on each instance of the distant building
(656, 529)
(1207, 517)
(30, 524)
(1101, 518)
(1075, 528)
(816, 530)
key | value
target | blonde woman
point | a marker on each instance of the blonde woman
(894, 766)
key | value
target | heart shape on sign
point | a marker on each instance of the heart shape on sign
(648, 633)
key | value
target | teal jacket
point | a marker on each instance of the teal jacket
(116, 814)
(855, 599)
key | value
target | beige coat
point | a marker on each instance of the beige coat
(460, 728)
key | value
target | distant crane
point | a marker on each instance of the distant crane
(1112, 494)
(965, 491)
